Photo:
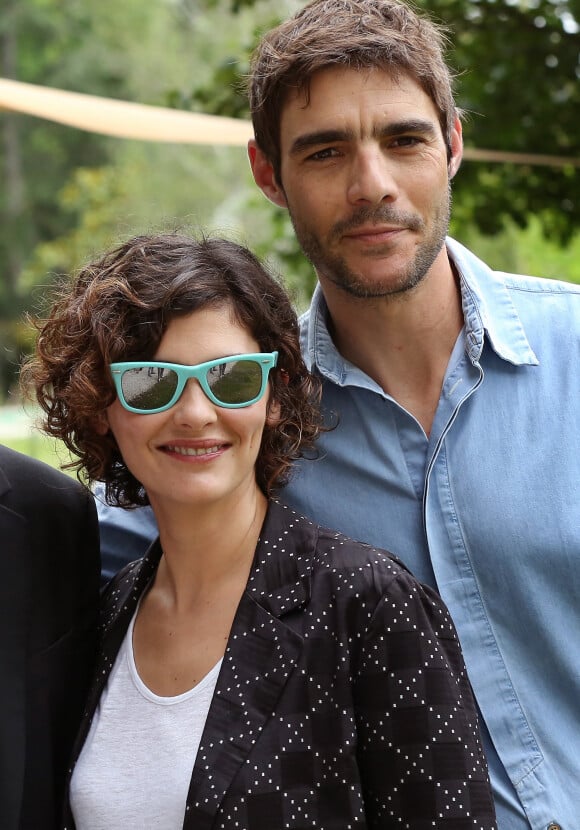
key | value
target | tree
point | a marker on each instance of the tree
(36, 40)
(67, 193)
(518, 67)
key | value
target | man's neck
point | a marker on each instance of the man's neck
(402, 342)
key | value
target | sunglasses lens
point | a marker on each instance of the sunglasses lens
(148, 387)
(235, 381)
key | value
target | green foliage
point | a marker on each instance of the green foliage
(253, 221)
(519, 73)
(527, 251)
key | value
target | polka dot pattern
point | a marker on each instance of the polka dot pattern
(342, 701)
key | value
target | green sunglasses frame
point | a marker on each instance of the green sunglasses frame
(266, 361)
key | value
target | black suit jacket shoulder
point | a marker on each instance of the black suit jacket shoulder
(342, 700)
(48, 614)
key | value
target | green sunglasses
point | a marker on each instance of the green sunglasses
(147, 387)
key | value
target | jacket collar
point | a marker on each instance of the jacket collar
(261, 655)
(279, 579)
(488, 312)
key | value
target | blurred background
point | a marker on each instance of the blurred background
(66, 194)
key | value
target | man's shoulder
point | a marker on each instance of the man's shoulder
(516, 306)
(340, 554)
(304, 317)
(480, 273)
(547, 306)
(540, 286)
(14, 461)
(29, 476)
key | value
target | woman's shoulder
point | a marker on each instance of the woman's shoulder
(374, 589)
(334, 552)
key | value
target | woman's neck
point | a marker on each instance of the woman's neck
(208, 547)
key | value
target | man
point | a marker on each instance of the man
(48, 613)
(457, 389)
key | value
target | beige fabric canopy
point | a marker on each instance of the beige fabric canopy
(124, 119)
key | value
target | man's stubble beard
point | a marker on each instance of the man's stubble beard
(336, 270)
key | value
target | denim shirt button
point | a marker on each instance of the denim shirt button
(553, 825)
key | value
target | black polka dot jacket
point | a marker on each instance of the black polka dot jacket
(342, 700)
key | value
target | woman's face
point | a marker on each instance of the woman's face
(196, 452)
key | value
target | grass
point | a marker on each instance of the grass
(18, 432)
(41, 447)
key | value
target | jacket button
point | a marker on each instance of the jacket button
(554, 826)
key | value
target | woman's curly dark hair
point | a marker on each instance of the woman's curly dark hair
(119, 308)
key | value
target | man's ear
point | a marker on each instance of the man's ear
(263, 173)
(456, 147)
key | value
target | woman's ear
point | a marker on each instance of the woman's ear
(273, 413)
(274, 408)
(101, 423)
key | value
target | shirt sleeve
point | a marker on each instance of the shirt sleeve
(420, 756)
(125, 534)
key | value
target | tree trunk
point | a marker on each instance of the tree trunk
(14, 188)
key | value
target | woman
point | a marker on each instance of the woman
(256, 670)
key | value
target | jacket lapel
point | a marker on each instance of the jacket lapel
(260, 658)
(118, 605)
(14, 622)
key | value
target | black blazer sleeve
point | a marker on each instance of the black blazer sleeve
(49, 604)
(419, 751)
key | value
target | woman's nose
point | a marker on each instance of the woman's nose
(194, 408)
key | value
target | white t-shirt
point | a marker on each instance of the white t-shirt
(135, 768)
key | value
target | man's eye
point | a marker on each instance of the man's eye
(321, 155)
(406, 141)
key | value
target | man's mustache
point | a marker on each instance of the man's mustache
(383, 215)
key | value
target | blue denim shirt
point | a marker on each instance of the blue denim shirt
(487, 510)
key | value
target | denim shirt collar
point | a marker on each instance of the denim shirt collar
(488, 311)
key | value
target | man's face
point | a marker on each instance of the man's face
(365, 177)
